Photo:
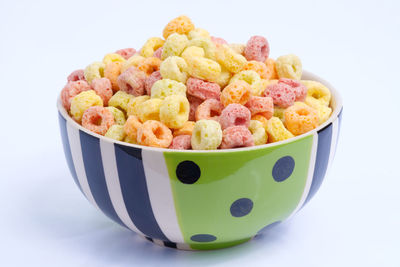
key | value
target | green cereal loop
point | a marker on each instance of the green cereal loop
(257, 130)
(116, 132)
(119, 116)
(174, 68)
(174, 45)
(289, 66)
(205, 43)
(93, 71)
(120, 100)
(166, 87)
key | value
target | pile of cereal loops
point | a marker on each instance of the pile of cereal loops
(190, 90)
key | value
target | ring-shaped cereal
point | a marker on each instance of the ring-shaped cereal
(301, 118)
(131, 127)
(261, 119)
(149, 109)
(155, 134)
(70, 90)
(198, 32)
(174, 68)
(76, 75)
(119, 116)
(111, 71)
(174, 45)
(206, 135)
(202, 89)
(192, 51)
(133, 61)
(150, 80)
(158, 52)
(166, 87)
(181, 25)
(257, 48)
(324, 112)
(203, 68)
(218, 40)
(235, 115)
(97, 119)
(174, 111)
(210, 109)
(282, 94)
(120, 100)
(300, 90)
(271, 69)
(276, 130)
(181, 142)
(151, 45)
(252, 78)
(224, 77)
(149, 65)
(258, 67)
(81, 102)
(103, 88)
(238, 48)
(237, 92)
(113, 57)
(194, 104)
(236, 136)
(257, 129)
(280, 113)
(261, 105)
(186, 129)
(94, 70)
(132, 81)
(289, 66)
(116, 132)
(228, 58)
(318, 91)
(134, 103)
(207, 45)
(126, 52)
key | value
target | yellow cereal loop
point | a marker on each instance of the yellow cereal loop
(206, 135)
(119, 116)
(150, 109)
(181, 25)
(318, 91)
(289, 66)
(174, 68)
(280, 113)
(81, 102)
(134, 104)
(120, 100)
(257, 129)
(261, 119)
(198, 32)
(324, 112)
(238, 48)
(93, 71)
(174, 111)
(116, 132)
(224, 78)
(207, 45)
(252, 78)
(276, 130)
(113, 57)
(133, 61)
(174, 45)
(228, 58)
(151, 45)
(192, 51)
(166, 87)
(203, 68)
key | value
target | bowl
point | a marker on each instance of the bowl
(196, 200)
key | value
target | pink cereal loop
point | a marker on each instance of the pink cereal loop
(257, 48)
(300, 90)
(235, 115)
(236, 136)
(150, 80)
(126, 52)
(97, 119)
(132, 81)
(76, 75)
(218, 40)
(72, 89)
(261, 105)
(210, 109)
(202, 89)
(158, 52)
(282, 94)
(181, 142)
(194, 103)
(103, 88)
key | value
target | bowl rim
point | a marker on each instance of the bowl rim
(309, 76)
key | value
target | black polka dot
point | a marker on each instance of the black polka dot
(188, 172)
(268, 227)
(241, 207)
(283, 168)
(203, 238)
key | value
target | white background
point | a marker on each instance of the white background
(354, 219)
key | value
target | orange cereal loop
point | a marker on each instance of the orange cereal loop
(150, 65)
(238, 92)
(300, 118)
(261, 119)
(271, 70)
(155, 134)
(258, 67)
(111, 72)
(131, 126)
(181, 25)
(187, 129)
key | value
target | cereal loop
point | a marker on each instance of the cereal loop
(224, 78)
(119, 116)
(271, 69)
(126, 52)
(203, 68)
(94, 70)
(149, 65)
(120, 100)
(174, 45)
(149, 110)
(318, 91)
(131, 127)
(194, 104)
(258, 67)
(158, 52)
(282, 94)
(276, 130)
(252, 78)
(228, 58)
(181, 25)
(237, 92)
(166, 87)
(182, 142)
(198, 32)
(207, 45)
(116, 132)
(70, 90)
(236, 136)
(324, 112)
(257, 48)
(186, 129)
(238, 48)
(133, 105)
(132, 81)
(174, 68)
(202, 89)
(111, 72)
(133, 61)
(235, 115)
(261, 119)
(207, 135)
(81, 102)
(174, 111)
(103, 88)
(299, 89)
(301, 118)
(154, 133)
(76, 75)
(150, 80)
(113, 57)
(261, 105)
(209, 110)
(218, 40)
(97, 119)
(289, 66)
(151, 45)
(259, 133)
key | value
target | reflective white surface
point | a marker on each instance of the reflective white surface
(353, 220)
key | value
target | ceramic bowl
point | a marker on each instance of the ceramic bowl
(200, 199)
